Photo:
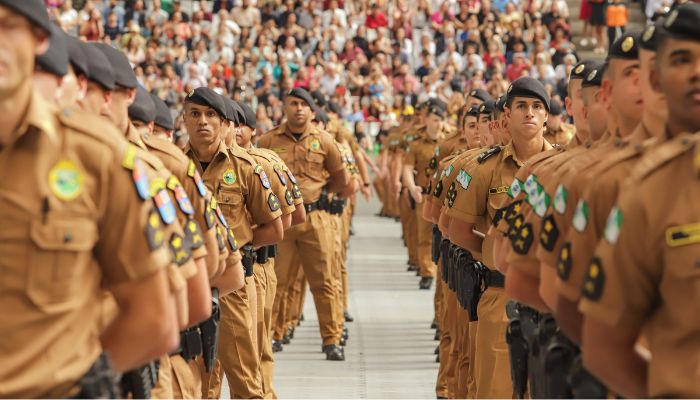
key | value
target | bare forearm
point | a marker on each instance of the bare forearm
(199, 294)
(232, 279)
(268, 234)
(299, 215)
(338, 182)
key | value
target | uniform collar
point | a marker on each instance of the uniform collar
(509, 151)
(39, 117)
(133, 136)
(310, 130)
(221, 150)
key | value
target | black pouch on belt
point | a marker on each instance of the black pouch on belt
(437, 239)
(262, 255)
(248, 259)
(190, 343)
(209, 330)
(100, 382)
(518, 351)
(445, 259)
(140, 381)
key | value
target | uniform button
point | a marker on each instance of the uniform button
(67, 238)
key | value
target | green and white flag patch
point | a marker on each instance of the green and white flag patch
(560, 198)
(542, 204)
(580, 220)
(447, 171)
(463, 178)
(515, 188)
(612, 227)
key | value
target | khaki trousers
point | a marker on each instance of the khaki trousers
(309, 244)
(237, 354)
(491, 359)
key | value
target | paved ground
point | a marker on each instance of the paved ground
(390, 351)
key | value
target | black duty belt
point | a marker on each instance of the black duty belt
(190, 343)
(494, 278)
(312, 206)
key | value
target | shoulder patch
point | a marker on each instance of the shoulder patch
(280, 174)
(550, 233)
(560, 198)
(220, 240)
(154, 231)
(273, 202)
(580, 220)
(488, 153)
(288, 197)
(193, 234)
(215, 207)
(162, 201)
(451, 195)
(523, 239)
(594, 281)
(181, 254)
(564, 262)
(138, 174)
(194, 174)
(614, 223)
(209, 217)
(183, 201)
(264, 180)
(438, 189)
(231, 239)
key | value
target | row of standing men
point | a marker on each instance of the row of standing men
(133, 268)
(562, 269)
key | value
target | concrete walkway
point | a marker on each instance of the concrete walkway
(390, 351)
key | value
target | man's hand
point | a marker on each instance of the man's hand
(417, 194)
(366, 192)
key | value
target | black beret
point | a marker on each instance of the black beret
(319, 98)
(580, 70)
(434, 101)
(501, 103)
(207, 97)
(595, 76)
(55, 59)
(473, 111)
(124, 75)
(487, 107)
(99, 70)
(335, 108)
(250, 117)
(480, 94)
(528, 87)
(626, 47)
(142, 109)
(76, 56)
(437, 110)
(683, 22)
(234, 112)
(650, 35)
(164, 118)
(303, 94)
(555, 107)
(321, 115)
(33, 10)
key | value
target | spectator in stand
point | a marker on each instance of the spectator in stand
(616, 16)
(376, 18)
(518, 68)
(598, 23)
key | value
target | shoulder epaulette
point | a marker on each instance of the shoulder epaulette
(665, 152)
(488, 153)
(92, 125)
(242, 154)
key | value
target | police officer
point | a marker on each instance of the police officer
(112, 243)
(645, 274)
(558, 131)
(164, 125)
(310, 153)
(239, 187)
(481, 190)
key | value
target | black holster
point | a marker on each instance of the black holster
(100, 382)
(471, 272)
(262, 255)
(337, 205)
(324, 203)
(248, 259)
(140, 381)
(583, 384)
(437, 240)
(190, 343)
(453, 253)
(210, 332)
(559, 356)
(272, 251)
(517, 348)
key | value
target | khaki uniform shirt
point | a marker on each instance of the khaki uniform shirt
(483, 190)
(597, 199)
(311, 159)
(645, 272)
(241, 189)
(181, 185)
(561, 136)
(72, 221)
(421, 155)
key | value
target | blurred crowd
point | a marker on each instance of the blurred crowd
(377, 59)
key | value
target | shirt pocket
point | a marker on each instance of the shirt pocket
(314, 163)
(231, 203)
(60, 262)
(680, 287)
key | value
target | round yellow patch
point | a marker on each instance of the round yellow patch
(315, 144)
(579, 69)
(66, 180)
